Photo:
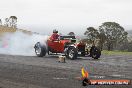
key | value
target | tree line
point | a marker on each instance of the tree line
(110, 36)
(9, 22)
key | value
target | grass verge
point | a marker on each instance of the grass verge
(106, 52)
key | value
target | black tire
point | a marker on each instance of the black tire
(40, 49)
(72, 53)
(82, 53)
(95, 52)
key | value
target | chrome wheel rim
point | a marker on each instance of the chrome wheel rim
(71, 53)
(38, 50)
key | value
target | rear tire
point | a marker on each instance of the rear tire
(82, 53)
(72, 53)
(95, 52)
(40, 49)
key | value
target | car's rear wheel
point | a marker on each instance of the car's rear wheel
(40, 50)
(72, 53)
(82, 53)
(95, 53)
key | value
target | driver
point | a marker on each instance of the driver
(55, 35)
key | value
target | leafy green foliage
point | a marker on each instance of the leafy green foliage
(92, 34)
(113, 33)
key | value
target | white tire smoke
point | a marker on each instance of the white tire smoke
(19, 43)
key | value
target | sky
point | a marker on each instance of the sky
(66, 15)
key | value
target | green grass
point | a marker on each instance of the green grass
(106, 52)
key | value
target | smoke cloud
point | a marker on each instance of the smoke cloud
(20, 43)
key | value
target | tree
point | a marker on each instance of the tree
(0, 22)
(102, 39)
(71, 33)
(92, 34)
(13, 21)
(7, 22)
(113, 32)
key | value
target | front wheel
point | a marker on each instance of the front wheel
(72, 53)
(40, 50)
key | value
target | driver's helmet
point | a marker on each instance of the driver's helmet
(55, 31)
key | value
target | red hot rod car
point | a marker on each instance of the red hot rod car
(66, 45)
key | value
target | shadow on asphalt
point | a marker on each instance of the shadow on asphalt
(80, 58)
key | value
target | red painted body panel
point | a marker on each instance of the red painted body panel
(57, 46)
